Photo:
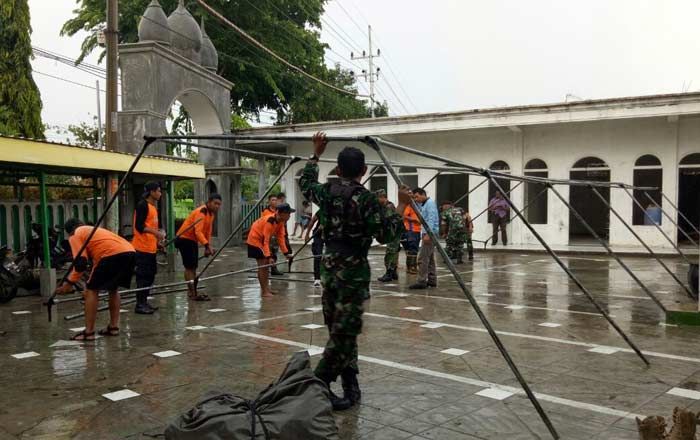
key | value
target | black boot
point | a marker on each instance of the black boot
(386, 277)
(351, 388)
(338, 403)
(275, 272)
(418, 285)
(394, 274)
(142, 307)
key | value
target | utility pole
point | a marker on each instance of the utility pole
(369, 75)
(111, 141)
(99, 115)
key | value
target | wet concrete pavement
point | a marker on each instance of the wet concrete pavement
(429, 370)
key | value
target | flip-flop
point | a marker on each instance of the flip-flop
(200, 297)
(82, 336)
(109, 331)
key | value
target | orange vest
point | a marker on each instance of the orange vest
(144, 241)
(262, 231)
(201, 232)
(103, 244)
(411, 226)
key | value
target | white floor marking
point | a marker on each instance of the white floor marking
(447, 376)
(314, 309)
(488, 295)
(663, 324)
(123, 311)
(62, 343)
(604, 350)
(77, 329)
(21, 312)
(549, 324)
(663, 292)
(494, 393)
(120, 395)
(433, 325)
(313, 296)
(514, 307)
(413, 308)
(167, 354)
(26, 355)
(196, 327)
(683, 392)
(524, 255)
(314, 351)
(455, 351)
(216, 310)
(312, 326)
(230, 297)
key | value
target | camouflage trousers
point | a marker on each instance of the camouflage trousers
(391, 257)
(455, 246)
(344, 287)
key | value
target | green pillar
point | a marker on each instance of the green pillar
(171, 216)
(44, 219)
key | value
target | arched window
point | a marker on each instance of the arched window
(647, 173)
(212, 189)
(409, 176)
(536, 193)
(27, 223)
(3, 225)
(86, 214)
(586, 202)
(501, 167)
(76, 211)
(689, 193)
(379, 180)
(61, 220)
(15, 226)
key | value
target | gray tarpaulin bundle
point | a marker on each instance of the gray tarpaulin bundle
(295, 407)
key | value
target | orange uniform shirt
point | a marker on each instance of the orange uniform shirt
(262, 231)
(144, 241)
(201, 232)
(411, 226)
(103, 244)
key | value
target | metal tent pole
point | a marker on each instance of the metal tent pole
(595, 235)
(501, 348)
(680, 213)
(634, 233)
(670, 219)
(374, 171)
(568, 271)
(242, 222)
(658, 228)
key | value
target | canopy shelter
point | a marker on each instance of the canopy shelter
(27, 163)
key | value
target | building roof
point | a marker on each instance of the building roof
(669, 105)
(59, 158)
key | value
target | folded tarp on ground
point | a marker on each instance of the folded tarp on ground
(295, 407)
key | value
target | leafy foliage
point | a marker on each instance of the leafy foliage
(20, 101)
(289, 27)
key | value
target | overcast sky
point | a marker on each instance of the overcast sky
(461, 54)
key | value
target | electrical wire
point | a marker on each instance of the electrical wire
(264, 48)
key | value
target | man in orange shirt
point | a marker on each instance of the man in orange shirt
(411, 238)
(147, 237)
(259, 238)
(112, 267)
(194, 231)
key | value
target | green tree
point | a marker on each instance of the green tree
(290, 28)
(20, 101)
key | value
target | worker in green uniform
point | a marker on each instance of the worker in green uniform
(454, 229)
(350, 217)
(391, 256)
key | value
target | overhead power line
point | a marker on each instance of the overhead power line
(264, 48)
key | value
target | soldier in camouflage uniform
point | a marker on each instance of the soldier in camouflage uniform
(391, 256)
(455, 229)
(350, 217)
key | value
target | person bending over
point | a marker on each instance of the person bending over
(259, 239)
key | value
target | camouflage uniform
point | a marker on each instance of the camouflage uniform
(457, 232)
(391, 257)
(350, 217)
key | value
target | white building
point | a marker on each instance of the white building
(647, 140)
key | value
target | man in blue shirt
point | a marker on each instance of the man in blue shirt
(427, 276)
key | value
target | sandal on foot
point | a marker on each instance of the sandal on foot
(200, 297)
(109, 331)
(83, 336)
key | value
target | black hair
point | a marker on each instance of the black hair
(271, 196)
(214, 196)
(351, 162)
(420, 191)
(446, 202)
(281, 195)
(72, 224)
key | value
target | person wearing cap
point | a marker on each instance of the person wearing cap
(196, 230)
(272, 202)
(147, 237)
(112, 267)
(259, 239)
